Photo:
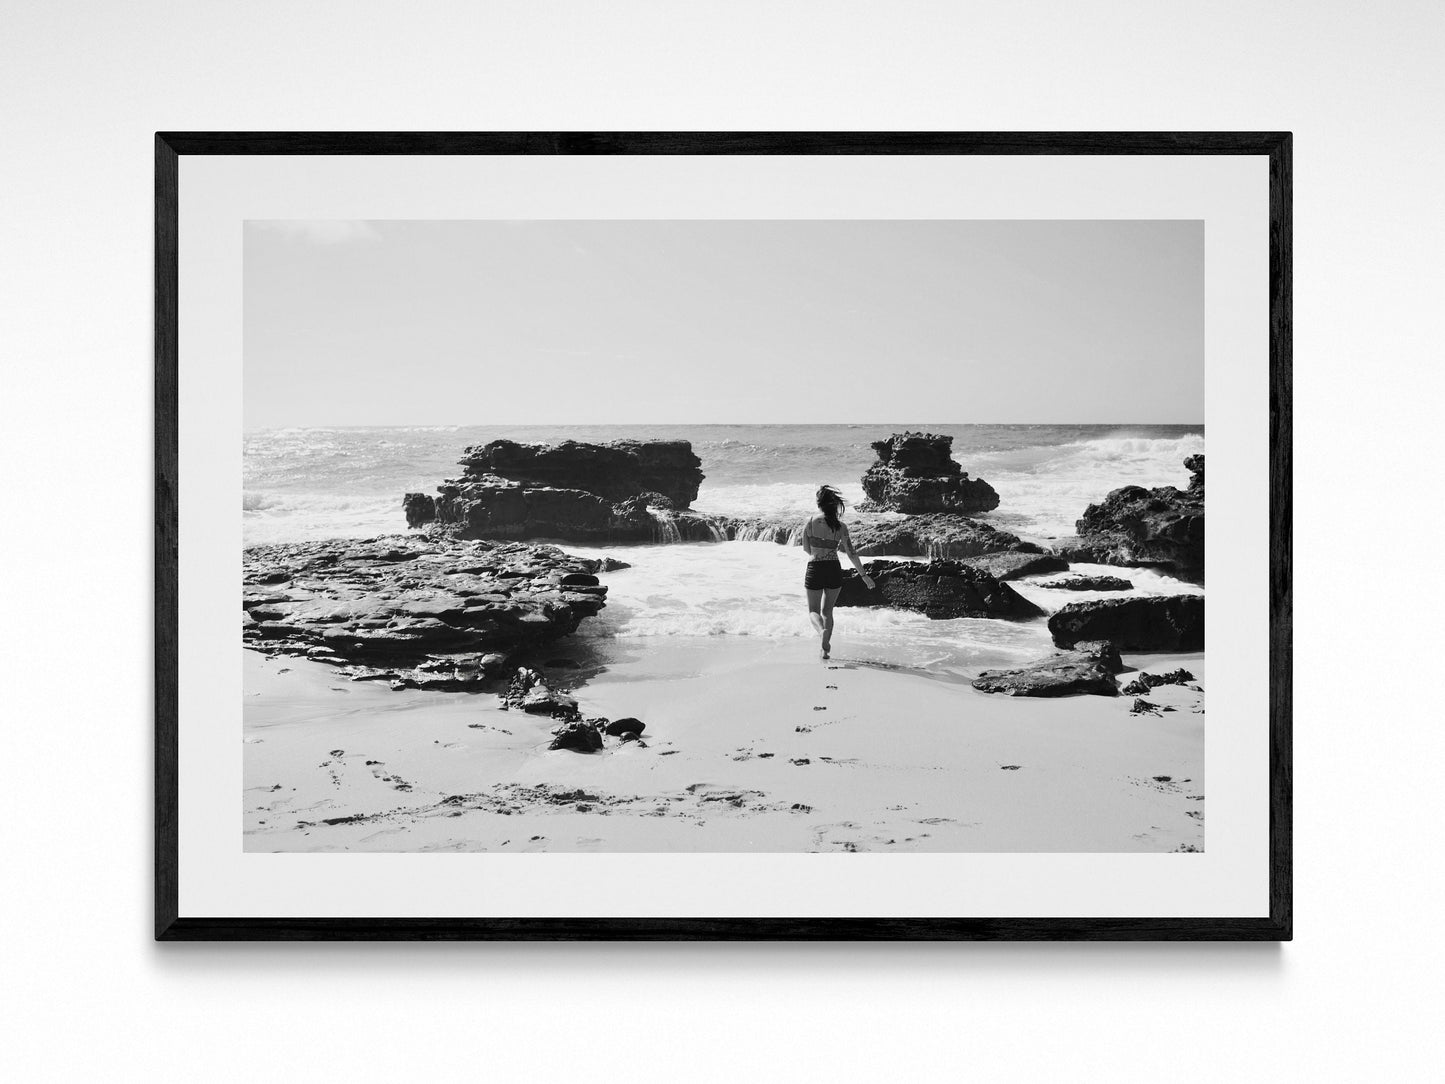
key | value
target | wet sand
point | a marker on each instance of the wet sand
(750, 745)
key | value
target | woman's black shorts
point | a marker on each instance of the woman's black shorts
(823, 575)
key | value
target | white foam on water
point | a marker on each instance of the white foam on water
(756, 589)
(311, 517)
(1146, 581)
(1044, 490)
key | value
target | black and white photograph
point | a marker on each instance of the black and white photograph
(723, 536)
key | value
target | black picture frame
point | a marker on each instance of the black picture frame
(170, 925)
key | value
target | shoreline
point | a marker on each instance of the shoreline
(750, 745)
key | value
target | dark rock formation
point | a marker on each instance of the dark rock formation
(578, 735)
(1161, 527)
(1106, 651)
(1090, 669)
(939, 589)
(618, 727)
(615, 471)
(624, 491)
(420, 509)
(1144, 682)
(414, 611)
(939, 536)
(1141, 623)
(1013, 566)
(527, 691)
(1088, 583)
(915, 472)
(1195, 466)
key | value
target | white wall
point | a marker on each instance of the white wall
(86, 992)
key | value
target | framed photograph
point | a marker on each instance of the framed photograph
(756, 536)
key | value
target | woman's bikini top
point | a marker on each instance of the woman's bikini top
(821, 548)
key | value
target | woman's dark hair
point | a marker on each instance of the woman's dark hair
(830, 503)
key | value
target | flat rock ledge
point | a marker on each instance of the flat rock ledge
(1141, 623)
(1088, 669)
(415, 611)
(916, 472)
(938, 589)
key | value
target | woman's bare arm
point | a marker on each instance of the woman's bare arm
(846, 545)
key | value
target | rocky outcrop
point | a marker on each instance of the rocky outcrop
(1144, 682)
(1088, 669)
(940, 536)
(411, 610)
(916, 473)
(1088, 583)
(624, 491)
(420, 509)
(940, 589)
(1161, 528)
(528, 692)
(1143, 623)
(578, 735)
(615, 470)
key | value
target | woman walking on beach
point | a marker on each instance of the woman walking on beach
(824, 537)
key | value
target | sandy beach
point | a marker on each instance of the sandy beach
(749, 746)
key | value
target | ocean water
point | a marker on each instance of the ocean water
(304, 484)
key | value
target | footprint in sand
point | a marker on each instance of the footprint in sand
(396, 781)
(845, 836)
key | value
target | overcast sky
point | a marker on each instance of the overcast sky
(588, 322)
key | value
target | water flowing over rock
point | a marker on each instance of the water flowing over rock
(940, 536)
(916, 473)
(412, 610)
(623, 491)
(939, 589)
(1014, 566)
(1162, 528)
(1088, 669)
(1142, 623)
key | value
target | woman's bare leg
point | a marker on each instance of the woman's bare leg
(830, 596)
(815, 610)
